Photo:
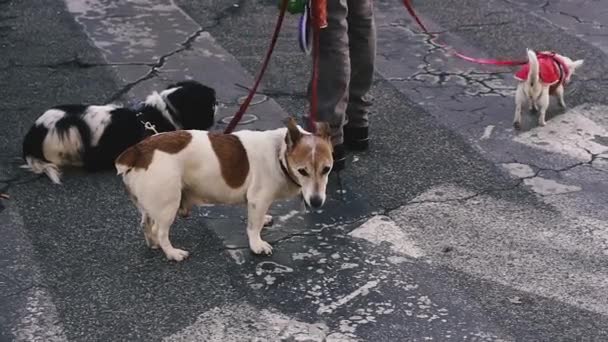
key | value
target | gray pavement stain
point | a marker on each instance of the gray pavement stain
(323, 283)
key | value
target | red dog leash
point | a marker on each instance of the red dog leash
(239, 114)
(319, 13)
(319, 21)
(410, 9)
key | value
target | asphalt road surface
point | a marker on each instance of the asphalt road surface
(451, 227)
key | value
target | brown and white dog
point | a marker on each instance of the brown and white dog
(170, 172)
(546, 73)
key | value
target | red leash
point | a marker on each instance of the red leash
(319, 14)
(410, 9)
(314, 101)
(239, 114)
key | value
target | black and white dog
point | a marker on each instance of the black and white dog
(92, 136)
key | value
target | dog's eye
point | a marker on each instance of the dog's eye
(303, 172)
(325, 170)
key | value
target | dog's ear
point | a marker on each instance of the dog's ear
(293, 132)
(323, 130)
(576, 64)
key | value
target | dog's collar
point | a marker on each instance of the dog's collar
(285, 169)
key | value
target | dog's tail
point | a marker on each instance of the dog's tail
(127, 160)
(39, 166)
(34, 156)
(533, 72)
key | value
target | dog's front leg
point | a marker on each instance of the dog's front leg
(559, 92)
(149, 233)
(256, 212)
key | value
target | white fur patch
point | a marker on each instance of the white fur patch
(50, 118)
(98, 118)
(38, 166)
(157, 101)
(63, 150)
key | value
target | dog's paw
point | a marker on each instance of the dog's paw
(176, 254)
(268, 220)
(261, 247)
(562, 104)
(183, 212)
(542, 123)
(150, 242)
(517, 125)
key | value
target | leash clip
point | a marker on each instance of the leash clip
(150, 127)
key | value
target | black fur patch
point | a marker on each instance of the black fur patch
(195, 104)
(32, 144)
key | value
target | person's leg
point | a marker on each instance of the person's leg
(362, 44)
(334, 75)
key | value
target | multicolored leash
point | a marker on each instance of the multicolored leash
(488, 61)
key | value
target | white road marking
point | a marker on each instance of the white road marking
(361, 291)
(540, 251)
(380, 229)
(576, 133)
(244, 322)
(547, 187)
(518, 170)
(487, 132)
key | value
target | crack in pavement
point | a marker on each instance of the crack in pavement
(539, 169)
(314, 232)
(472, 83)
(581, 21)
(186, 45)
(75, 62)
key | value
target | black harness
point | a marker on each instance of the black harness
(149, 128)
(288, 174)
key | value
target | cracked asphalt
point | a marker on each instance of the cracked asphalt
(451, 227)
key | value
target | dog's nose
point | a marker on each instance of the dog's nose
(316, 201)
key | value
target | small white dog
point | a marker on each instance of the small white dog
(546, 73)
(170, 172)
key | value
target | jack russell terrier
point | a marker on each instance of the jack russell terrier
(170, 172)
(547, 73)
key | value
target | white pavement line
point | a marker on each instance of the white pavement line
(362, 291)
(530, 248)
(151, 43)
(576, 133)
(540, 185)
(548, 187)
(518, 170)
(40, 320)
(244, 322)
(31, 314)
(133, 31)
(380, 229)
(487, 132)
